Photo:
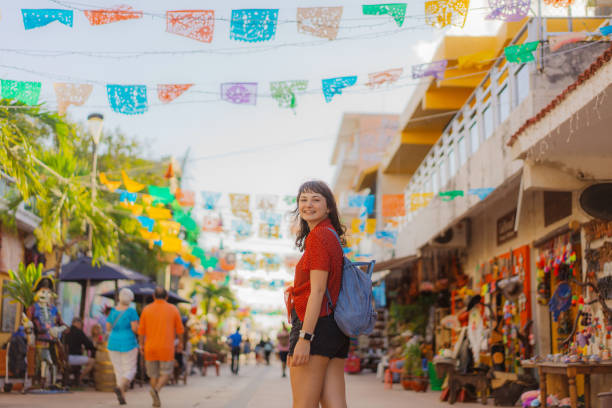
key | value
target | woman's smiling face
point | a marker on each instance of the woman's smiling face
(312, 207)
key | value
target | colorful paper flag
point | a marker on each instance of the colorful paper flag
(356, 226)
(451, 195)
(377, 79)
(149, 236)
(146, 222)
(359, 201)
(71, 94)
(171, 244)
(396, 10)
(126, 196)
(159, 213)
(508, 10)
(558, 41)
(210, 199)
(24, 91)
(185, 220)
(241, 228)
(435, 69)
(240, 204)
(161, 194)
(185, 198)
(290, 200)
(34, 18)
(606, 30)
(111, 15)
(334, 86)
(559, 3)
(241, 93)
(169, 92)
(370, 227)
(388, 237)
(521, 53)
(269, 231)
(198, 25)
(168, 227)
(127, 99)
(266, 202)
(482, 193)
(440, 13)
(322, 22)
(284, 92)
(131, 185)
(111, 185)
(419, 200)
(253, 25)
(393, 205)
(212, 224)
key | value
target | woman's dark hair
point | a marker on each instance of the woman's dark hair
(319, 187)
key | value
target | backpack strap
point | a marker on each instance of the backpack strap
(330, 304)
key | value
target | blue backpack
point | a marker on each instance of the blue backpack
(354, 312)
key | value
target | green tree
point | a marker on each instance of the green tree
(37, 149)
(21, 282)
(219, 300)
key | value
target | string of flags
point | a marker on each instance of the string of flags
(134, 99)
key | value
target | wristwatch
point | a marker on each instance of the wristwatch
(306, 336)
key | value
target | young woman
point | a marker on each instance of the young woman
(317, 347)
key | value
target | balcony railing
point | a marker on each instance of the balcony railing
(502, 90)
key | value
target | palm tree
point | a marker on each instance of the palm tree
(218, 299)
(37, 150)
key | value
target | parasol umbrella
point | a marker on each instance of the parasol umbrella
(144, 290)
(83, 272)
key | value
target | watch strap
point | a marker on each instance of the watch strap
(306, 336)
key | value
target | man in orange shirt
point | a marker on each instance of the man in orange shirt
(160, 324)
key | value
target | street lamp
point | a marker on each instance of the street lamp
(95, 121)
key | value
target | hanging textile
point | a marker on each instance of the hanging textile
(377, 79)
(396, 10)
(321, 22)
(210, 199)
(440, 13)
(334, 86)
(558, 41)
(508, 10)
(240, 93)
(521, 53)
(435, 69)
(393, 205)
(284, 92)
(127, 99)
(111, 15)
(370, 227)
(131, 185)
(451, 195)
(253, 25)
(482, 193)
(477, 60)
(419, 200)
(161, 194)
(34, 18)
(198, 25)
(71, 94)
(111, 185)
(24, 91)
(169, 92)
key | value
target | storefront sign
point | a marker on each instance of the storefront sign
(505, 227)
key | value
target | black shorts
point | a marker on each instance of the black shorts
(329, 341)
(283, 356)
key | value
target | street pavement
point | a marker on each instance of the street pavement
(256, 387)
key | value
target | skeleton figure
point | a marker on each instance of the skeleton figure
(48, 327)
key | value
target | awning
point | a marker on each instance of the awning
(395, 263)
(367, 178)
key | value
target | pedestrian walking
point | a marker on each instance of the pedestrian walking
(317, 346)
(246, 349)
(235, 340)
(268, 348)
(282, 339)
(160, 326)
(122, 326)
(259, 352)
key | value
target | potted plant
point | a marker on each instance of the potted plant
(421, 382)
(412, 358)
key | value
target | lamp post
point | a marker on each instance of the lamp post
(95, 122)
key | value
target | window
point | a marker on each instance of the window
(474, 137)
(522, 83)
(557, 205)
(462, 151)
(503, 104)
(487, 119)
(452, 164)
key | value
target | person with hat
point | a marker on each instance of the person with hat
(48, 327)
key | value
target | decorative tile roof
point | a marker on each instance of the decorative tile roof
(587, 74)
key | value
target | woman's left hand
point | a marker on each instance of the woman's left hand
(301, 353)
